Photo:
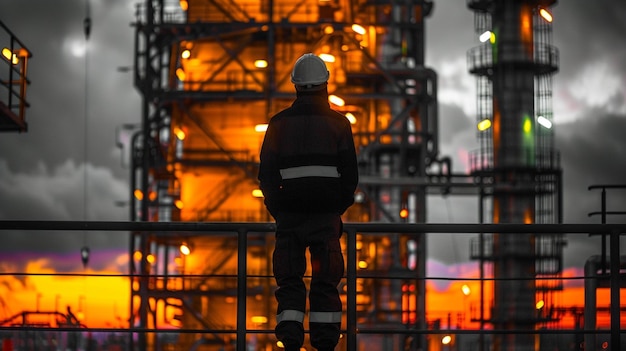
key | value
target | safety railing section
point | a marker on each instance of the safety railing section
(32, 334)
(13, 81)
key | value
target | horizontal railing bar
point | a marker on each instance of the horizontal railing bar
(233, 276)
(343, 331)
(452, 228)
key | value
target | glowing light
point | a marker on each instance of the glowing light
(362, 264)
(466, 290)
(185, 249)
(404, 213)
(327, 57)
(185, 54)
(10, 56)
(329, 30)
(138, 194)
(151, 258)
(446, 340)
(180, 134)
(179, 204)
(544, 122)
(137, 255)
(546, 15)
(528, 126)
(184, 5)
(260, 63)
(261, 128)
(484, 124)
(358, 29)
(485, 36)
(334, 99)
(492, 38)
(539, 304)
(259, 319)
(180, 73)
(351, 118)
(258, 193)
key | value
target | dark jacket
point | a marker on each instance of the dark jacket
(308, 160)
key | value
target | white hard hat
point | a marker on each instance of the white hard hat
(309, 70)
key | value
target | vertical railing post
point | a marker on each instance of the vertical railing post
(242, 262)
(615, 290)
(351, 292)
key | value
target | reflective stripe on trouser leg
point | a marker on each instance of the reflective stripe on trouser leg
(325, 317)
(292, 315)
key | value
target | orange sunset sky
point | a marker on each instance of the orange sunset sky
(102, 301)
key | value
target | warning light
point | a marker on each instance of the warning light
(539, 304)
(185, 249)
(180, 134)
(544, 122)
(358, 29)
(485, 36)
(336, 100)
(484, 124)
(404, 213)
(546, 15)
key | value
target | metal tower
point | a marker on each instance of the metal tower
(514, 69)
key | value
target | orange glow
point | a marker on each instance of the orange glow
(184, 5)
(260, 63)
(180, 134)
(180, 73)
(138, 194)
(185, 249)
(528, 216)
(185, 54)
(404, 213)
(102, 301)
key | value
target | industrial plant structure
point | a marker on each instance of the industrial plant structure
(514, 68)
(212, 72)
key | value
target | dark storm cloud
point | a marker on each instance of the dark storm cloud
(592, 152)
(76, 101)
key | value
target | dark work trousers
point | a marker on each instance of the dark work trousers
(320, 233)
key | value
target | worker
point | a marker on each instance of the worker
(308, 174)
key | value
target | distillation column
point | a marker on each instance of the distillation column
(508, 63)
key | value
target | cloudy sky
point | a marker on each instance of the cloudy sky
(77, 102)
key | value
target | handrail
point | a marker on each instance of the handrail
(351, 230)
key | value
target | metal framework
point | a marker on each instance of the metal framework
(356, 332)
(210, 70)
(13, 81)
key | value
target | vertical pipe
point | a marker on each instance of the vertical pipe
(351, 285)
(242, 258)
(481, 266)
(591, 284)
(615, 290)
(603, 214)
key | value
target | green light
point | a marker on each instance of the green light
(528, 126)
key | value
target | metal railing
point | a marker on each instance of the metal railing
(243, 229)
